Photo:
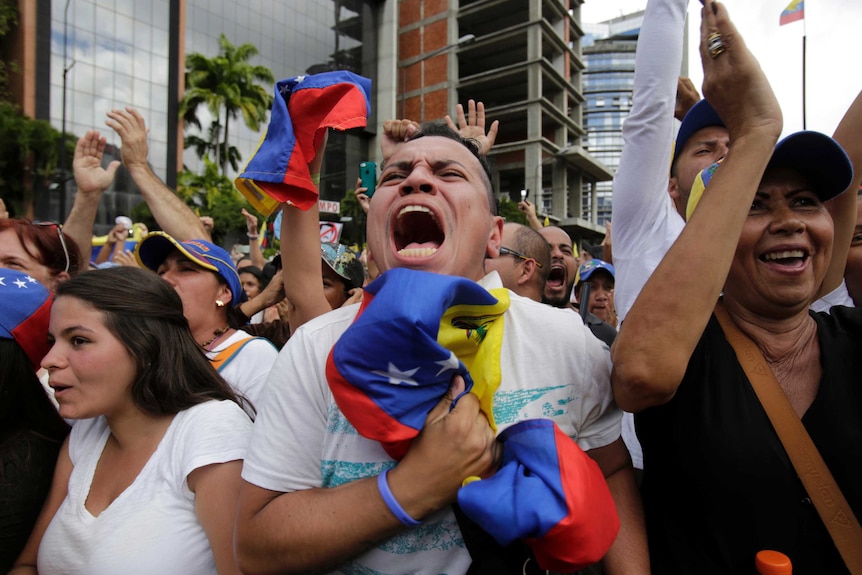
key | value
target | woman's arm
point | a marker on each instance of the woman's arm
(216, 489)
(26, 563)
(658, 336)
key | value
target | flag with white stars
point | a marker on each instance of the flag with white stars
(302, 109)
(414, 332)
(25, 308)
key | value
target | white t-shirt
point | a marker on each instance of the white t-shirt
(247, 370)
(152, 526)
(645, 220)
(552, 367)
(838, 296)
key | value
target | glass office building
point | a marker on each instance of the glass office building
(609, 53)
(108, 54)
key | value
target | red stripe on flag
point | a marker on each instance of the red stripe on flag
(791, 17)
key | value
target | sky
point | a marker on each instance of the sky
(833, 52)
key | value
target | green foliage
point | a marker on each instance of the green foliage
(509, 210)
(227, 85)
(214, 195)
(29, 154)
(207, 148)
(141, 213)
(29, 149)
(8, 21)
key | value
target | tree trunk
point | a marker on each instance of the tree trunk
(224, 158)
(218, 137)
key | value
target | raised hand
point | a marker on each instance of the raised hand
(125, 258)
(473, 125)
(686, 97)
(529, 210)
(250, 222)
(132, 129)
(395, 132)
(208, 223)
(361, 197)
(90, 176)
(733, 81)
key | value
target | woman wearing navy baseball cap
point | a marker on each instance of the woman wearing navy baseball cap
(207, 282)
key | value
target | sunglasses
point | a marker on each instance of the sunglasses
(520, 256)
(62, 240)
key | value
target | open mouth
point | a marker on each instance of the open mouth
(557, 276)
(787, 258)
(417, 232)
(58, 389)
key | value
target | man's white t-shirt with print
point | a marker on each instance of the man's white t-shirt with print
(552, 367)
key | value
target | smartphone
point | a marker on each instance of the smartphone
(368, 175)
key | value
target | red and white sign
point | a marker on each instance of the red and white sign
(330, 232)
(329, 207)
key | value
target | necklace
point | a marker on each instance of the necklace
(216, 334)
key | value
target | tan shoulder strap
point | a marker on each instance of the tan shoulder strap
(818, 481)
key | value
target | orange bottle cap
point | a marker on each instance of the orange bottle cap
(773, 563)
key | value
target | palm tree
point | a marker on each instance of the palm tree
(226, 84)
(203, 147)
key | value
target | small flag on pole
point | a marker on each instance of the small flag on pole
(794, 11)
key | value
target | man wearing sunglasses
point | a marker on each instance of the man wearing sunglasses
(524, 261)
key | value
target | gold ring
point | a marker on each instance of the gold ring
(714, 45)
(470, 479)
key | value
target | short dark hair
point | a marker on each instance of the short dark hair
(531, 243)
(444, 131)
(145, 313)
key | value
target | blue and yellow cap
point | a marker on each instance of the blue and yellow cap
(155, 247)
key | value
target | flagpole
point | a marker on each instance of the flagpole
(803, 74)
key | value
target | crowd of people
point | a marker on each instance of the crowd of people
(467, 395)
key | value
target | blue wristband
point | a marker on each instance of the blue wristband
(391, 503)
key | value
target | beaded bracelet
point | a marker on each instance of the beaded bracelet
(253, 236)
(391, 503)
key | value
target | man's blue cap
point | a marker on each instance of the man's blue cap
(155, 247)
(701, 115)
(589, 267)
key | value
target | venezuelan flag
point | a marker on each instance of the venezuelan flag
(547, 492)
(415, 330)
(303, 107)
(794, 11)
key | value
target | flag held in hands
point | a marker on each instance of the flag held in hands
(414, 332)
(547, 492)
(303, 108)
